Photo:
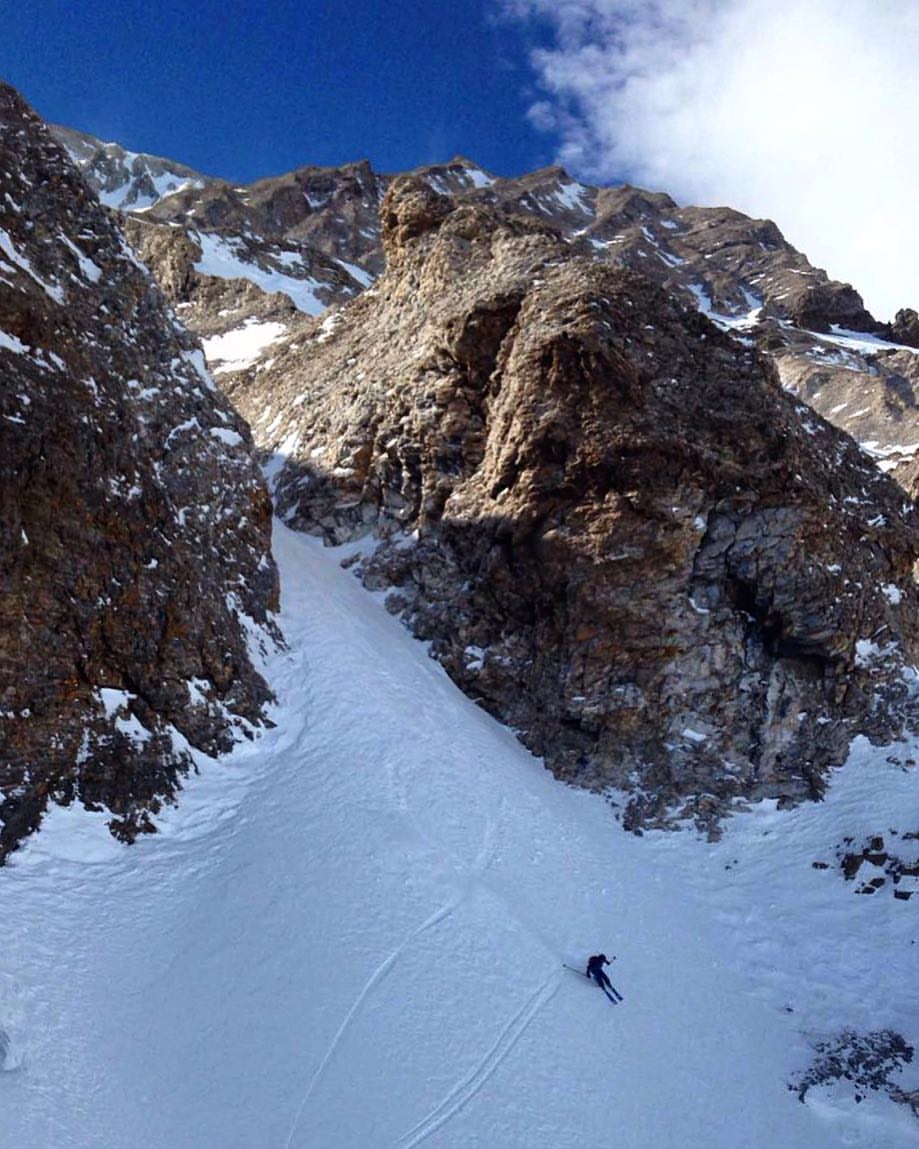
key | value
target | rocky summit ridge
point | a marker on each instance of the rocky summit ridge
(134, 521)
(242, 262)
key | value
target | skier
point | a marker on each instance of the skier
(595, 970)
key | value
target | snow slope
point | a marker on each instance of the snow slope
(225, 258)
(350, 935)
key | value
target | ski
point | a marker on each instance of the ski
(615, 1000)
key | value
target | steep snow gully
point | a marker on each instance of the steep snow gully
(350, 935)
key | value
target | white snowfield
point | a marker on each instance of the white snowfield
(238, 349)
(350, 935)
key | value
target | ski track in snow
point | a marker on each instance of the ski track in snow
(377, 976)
(350, 935)
(470, 1085)
(479, 868)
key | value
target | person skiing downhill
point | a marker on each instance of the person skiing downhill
(595, 970)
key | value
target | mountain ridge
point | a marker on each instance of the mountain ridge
(741, 272)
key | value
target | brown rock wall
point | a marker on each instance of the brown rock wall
(134, 524)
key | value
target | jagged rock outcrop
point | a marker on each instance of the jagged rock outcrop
(615, 529)
(905, 327)
(134, 523)
(749, 279)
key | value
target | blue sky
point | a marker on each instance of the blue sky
(246, 89)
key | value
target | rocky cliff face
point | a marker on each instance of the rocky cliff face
(134, 524)
(615, 529)
(866, 386)
(743, 274)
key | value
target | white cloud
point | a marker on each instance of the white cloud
(805, 112)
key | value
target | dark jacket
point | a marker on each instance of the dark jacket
(595, 964)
